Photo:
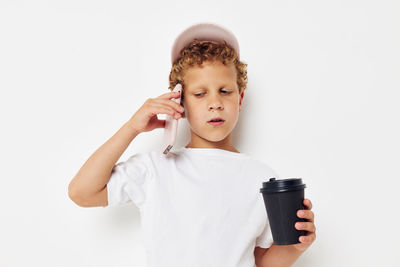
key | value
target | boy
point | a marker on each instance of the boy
(200, 205)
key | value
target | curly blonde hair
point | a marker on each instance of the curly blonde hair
(198, 52)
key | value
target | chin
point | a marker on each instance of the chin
(215, 138)
(210, 138)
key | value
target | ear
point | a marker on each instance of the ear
(241, 101)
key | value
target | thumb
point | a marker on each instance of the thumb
(160, 124)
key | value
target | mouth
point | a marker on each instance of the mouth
(216, 121)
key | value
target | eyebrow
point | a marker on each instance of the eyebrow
(201, 86)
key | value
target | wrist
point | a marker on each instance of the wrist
(280, 255)
(131, 127)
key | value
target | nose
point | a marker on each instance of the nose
(215, 103)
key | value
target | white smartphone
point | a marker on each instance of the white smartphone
(171, 124)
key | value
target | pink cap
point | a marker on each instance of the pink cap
(203, 32)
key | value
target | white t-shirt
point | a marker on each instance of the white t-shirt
(199, 206)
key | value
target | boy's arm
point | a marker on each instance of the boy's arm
(89, 186)
(94, 175)
(278, 256)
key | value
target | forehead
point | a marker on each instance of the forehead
(210, 73)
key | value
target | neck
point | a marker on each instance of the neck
(198, 142)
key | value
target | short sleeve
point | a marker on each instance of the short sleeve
(128, 181)
(265, 240)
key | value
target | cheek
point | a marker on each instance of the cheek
(234, 105)
(190, 111)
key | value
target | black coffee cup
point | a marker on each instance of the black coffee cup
(282, 199)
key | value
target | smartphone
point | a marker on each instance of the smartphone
(171, 124)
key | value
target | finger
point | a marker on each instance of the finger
(307, 238)
(170, 95)
(161, 109)
(306, 214)
(177, 107)
(168, 104)
(307, 203)
(306, 226)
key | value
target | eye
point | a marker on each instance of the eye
(225, 92)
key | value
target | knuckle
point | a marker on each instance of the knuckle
(310, 214)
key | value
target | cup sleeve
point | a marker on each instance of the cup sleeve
(128, 182)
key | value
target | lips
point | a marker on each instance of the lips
(217, 119)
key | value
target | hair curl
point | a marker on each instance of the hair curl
(198, 52)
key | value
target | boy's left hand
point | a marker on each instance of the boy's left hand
(308, 226)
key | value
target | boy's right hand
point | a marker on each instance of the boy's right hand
(145, 119)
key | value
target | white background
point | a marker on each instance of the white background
(321, 104)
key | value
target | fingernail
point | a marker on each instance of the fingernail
(301, 213)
